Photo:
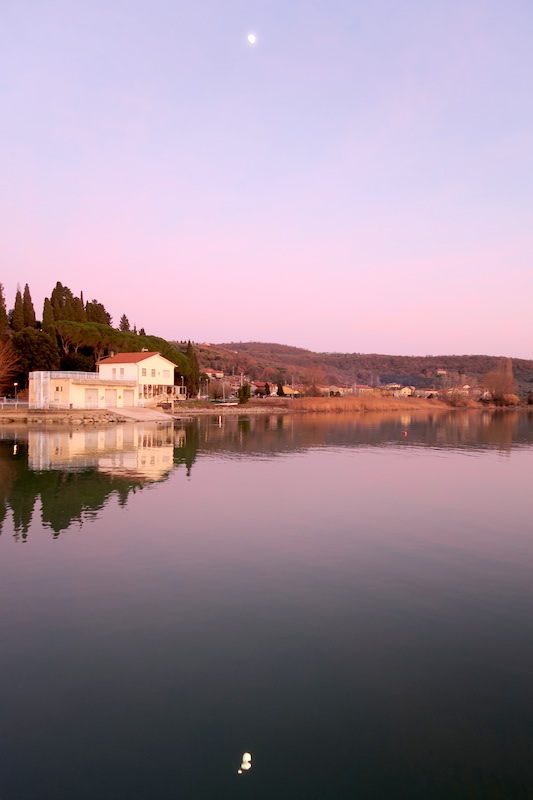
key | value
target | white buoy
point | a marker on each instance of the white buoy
(246, 763)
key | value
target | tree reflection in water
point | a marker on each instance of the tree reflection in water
(73, 474)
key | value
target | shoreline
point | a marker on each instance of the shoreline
(79, 417)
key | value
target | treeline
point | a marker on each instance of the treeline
(73, 334)
(268, 361)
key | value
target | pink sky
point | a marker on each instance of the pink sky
(361, 180)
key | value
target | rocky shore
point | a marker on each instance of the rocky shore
(75, 417)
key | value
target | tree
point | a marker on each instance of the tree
(17, 321)
(3, 313)
(142, 332)
(78, 309)
(193, 379)
(216, 390)
(64, 304)
(281, 393)
(243, 393)
(71, 335)
(267, 389)
(500, 382)
(28, 311)
(96, 313)
(36, 350)
(8, 363)
(57, 300)
(124, 323)
(48, 316)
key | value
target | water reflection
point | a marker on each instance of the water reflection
(69, 475)
(73, 474)
(349, 605)
(142, 453)
(465, 430)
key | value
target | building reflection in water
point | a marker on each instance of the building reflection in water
(74, 473)
(141, 452)
(71, 474)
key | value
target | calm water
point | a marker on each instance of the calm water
(352, 605)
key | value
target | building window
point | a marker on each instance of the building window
(114, 372)
(143, 372)
(122, 372)
(152, 373)
(166, 374)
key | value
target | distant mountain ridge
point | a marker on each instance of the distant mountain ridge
(270, 361)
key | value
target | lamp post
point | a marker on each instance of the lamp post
(16, 387)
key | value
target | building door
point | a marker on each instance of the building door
(129, 397)
(110, 398)
(91, 398)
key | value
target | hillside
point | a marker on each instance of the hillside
(268, 361)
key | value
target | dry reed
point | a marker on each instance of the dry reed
(364, 403)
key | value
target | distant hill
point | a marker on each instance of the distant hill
(268, 361)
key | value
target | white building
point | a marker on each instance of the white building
(121, 381)
(153, 374)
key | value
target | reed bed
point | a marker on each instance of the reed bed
(334, 405)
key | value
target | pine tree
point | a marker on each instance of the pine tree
(193, 379)
(142, 332)
(135, 329)
(124, 323)
(28, 310)
(3, 313)
(17, 322)
(96, 312)
(48, 316)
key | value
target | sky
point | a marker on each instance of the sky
(359, 180)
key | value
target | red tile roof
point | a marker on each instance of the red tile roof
(127, 358)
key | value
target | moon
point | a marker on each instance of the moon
(252, 38)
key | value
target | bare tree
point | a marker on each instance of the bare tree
(8, 364)
(500, 382)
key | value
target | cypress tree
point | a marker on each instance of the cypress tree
(28, 310)
(79, 310)
(17, 322)
(48, 316)
(68, 312)
(243, 393)
(192, 380)
(57, 300)
(3, 312)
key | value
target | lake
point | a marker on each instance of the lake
(348, 598)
